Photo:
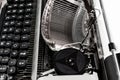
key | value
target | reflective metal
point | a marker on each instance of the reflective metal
(59, 23)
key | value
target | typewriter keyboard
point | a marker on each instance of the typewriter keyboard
(17, 28)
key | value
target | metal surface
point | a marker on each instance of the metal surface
(106, 12)
(2, 3)
(103, 37)
(76, 2)
(79, 29)
(36, 41)
(106, 26)
(85, 76)
(57, 23)
(112, 14)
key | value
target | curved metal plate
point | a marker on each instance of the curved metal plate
(57, 23)
(79, 25)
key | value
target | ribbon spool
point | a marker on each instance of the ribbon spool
(69, 62)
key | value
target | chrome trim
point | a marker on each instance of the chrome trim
(109, 24)
(102, 30)
(75, 2)
(36, 41)
(46, 12)
(2, 4)
(85, 76)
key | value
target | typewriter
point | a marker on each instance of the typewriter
(56, 40)
(19, 39)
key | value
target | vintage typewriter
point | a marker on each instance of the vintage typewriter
(55, 40)
(68, 28)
